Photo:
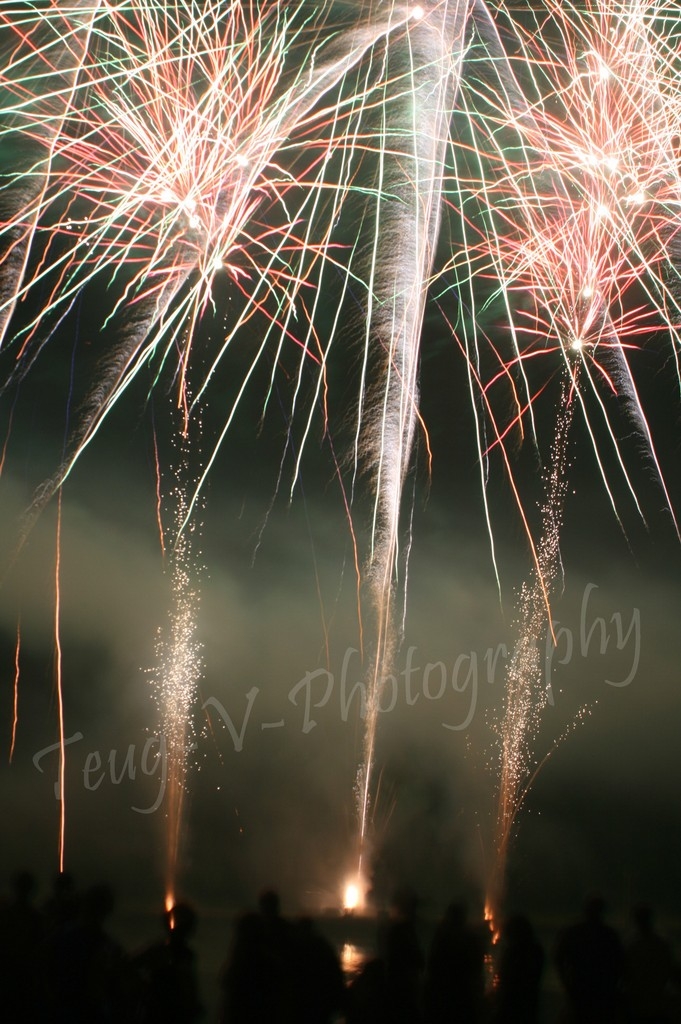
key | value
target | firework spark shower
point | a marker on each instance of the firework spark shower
(568, 187)
(284, 169)
(156, 138)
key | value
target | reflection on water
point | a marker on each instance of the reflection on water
(353, 936)
(352, 959)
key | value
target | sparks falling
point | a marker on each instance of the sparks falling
(177, 673)
(526, 695)
(170, 153)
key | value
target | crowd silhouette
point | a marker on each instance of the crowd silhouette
(279, 970)
(59, 964)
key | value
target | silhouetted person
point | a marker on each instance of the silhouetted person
(22, 930)
(318, 987)
(455, 980)
(245, 998)
(167, 970)
(404, 961)
(61, 907)
(520, 963)
(84, 966)
(590, 962)
(258, 981)
(650, 971)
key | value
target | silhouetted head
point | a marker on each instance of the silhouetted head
(269, 903)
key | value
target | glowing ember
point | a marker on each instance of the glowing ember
(169, 904)
(491, 922)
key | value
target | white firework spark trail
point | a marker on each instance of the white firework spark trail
(177, 672)
(418, 106)
(526, 695)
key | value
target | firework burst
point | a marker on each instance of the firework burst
(166, 150)
(160, 154)
(157, 141)
(567, 186)
(573, 209)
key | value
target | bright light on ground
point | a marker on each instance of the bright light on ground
(351, 897)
